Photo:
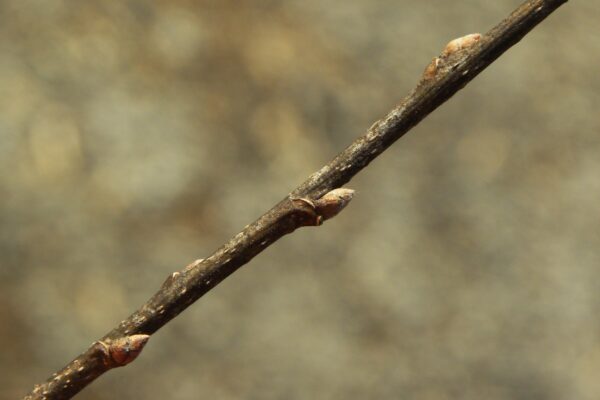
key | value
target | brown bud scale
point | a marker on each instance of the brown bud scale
(122, 351)
(432, 68)
(333, 202)
(461, 43)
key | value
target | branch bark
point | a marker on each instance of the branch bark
(308, 205)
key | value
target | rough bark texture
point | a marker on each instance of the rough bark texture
(182, 288)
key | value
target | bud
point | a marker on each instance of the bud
(124, 350)
(461, 43)
(333, 202)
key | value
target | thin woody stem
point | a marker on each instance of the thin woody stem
(301, 207)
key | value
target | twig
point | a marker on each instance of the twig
(308, 205)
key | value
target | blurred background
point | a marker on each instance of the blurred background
(138, 136)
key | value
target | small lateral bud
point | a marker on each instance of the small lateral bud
(122, 351)
(461, 43)
(333, 202)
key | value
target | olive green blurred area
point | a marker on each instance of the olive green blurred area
(138, 136)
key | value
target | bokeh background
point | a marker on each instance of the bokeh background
(137, 136)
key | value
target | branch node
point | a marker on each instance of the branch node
(461, 43)
(453, 46)
(122, 351)
(329, 205)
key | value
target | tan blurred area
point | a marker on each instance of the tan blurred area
(138, 136)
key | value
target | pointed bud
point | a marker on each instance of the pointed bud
(124, 350)
(333, 202)
(461, 43)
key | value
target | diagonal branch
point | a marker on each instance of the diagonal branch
(308, 205)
